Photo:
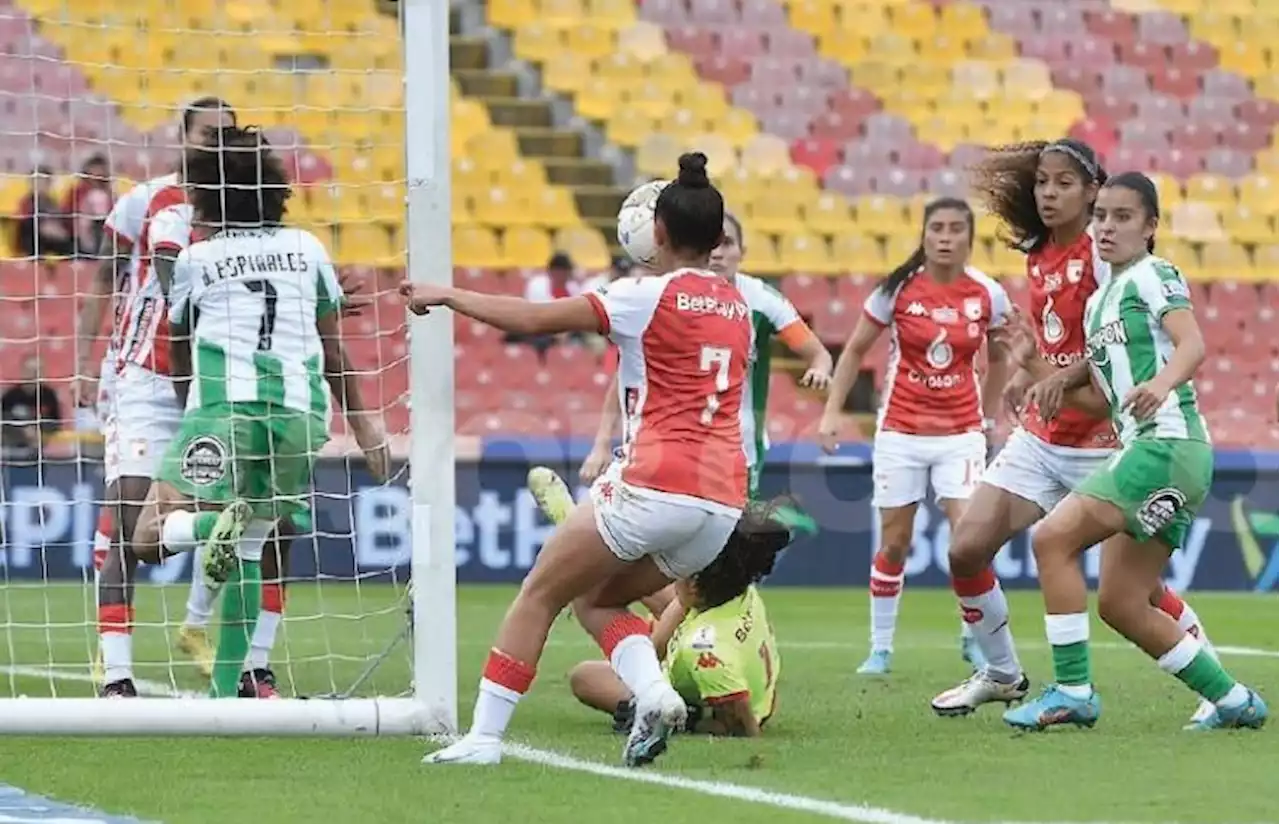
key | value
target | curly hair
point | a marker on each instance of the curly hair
(235, 180)
(748, 556)
(1005, 182)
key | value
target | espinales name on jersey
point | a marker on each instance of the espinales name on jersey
(708, 305)
(262, 264)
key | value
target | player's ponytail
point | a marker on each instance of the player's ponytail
(690, 208)
(748, 556)
(893, 281)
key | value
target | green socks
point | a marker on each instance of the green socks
(241, 603)
(1068, 635)
(1191, 664)
(202, 525)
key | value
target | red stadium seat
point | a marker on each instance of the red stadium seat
(1246, 136)
(1193, 56)
(1111, 25)
(834, 126)
(1161, 28)
(1110, 107)
(693, 40)
(1195, 137)
(816, 153)
(719, 12)
(1170, 79)
(1084, 79)
(1149, 57)
(854, 102)
(727, 69)
(741, 41)
(1258, 112)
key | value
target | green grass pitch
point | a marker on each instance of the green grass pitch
(836, 737)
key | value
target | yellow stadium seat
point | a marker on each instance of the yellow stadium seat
(537, 41)
(858, 253)
(944, 131)
(1243, 58)
(1224, 260)
(476, 246)
(1039, 128)
(1213, 26)
(829, 214)
(776, 216)
(1195, 221)
(684, 124)
(879, 215)
(766, 154)
(468, 176)
(871, 19)
(800, 183)
(926, 79)
(586, 246)
(1267, 86)
(335, 204)
(916, 20)
(657, 154)
(384, 203)
(566, 71)
(1266, 264)
(990, 132)
(963, 20)
(651, 100)
(673, 70)
(720, 153)
(1182, 253)
(554, 207)
(817, 17)
(1060, 105)
(706, 98)
(1026, 80)
(907, 101)
(942, 50)
(525, 246)
(561, 13)
(521, 176)
(986, 225)
(600, 99)
(629, 127)
(740, 187)
(616, 14)
(617, 66)
(802, 252)
(498, 207)
(1210, 189)
(847, 46)
(893, 48)
(364, 243)
(899, 247)
(1244, 225)
(460, 212)
(1258, 192)
(493, 149)
(590, 39)
(760, 254)
(469, 119)
(994, 46)
(1169, 188)
(876, 74)
(998, 260)
(739, 125)
(643, 41)
(1266, 163)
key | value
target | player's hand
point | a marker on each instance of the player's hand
(354, 301)
(815, 378)
(421, 297)
(1144, 399)
(829, 433)
(84, 391)
(598, 460)
(1017, 336)
(1048, 396)
(372, 441)
(1015, 393)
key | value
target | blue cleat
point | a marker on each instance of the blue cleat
(1251, 714)
(1053, 707)
(972, 654)
(877, 663)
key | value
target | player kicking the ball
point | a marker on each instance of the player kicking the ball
(254, 317)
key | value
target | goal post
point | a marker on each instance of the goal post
(368, 640)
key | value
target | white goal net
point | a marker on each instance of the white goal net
(92, 97)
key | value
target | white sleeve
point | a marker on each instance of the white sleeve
(771, 303)
(1000, 304)
(128, 214)
(329, 297)
(1161, 286)
(626, 306)
(182, 290)
(170, 228)
(879, 306)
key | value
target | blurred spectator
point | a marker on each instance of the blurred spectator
(555, 283)
(30, 412)
(42, 227)
(88, 203)
(619, 267)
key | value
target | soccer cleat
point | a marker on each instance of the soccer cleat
(219, 552)
(1251, 714)
(258, 683)
(659, 714)
(972, 654)
(1204, 709)
(1053, 707)
(552, 494)
(976, 690)
(193, 642)
(123, 688)
(877, 663)
(469, 749)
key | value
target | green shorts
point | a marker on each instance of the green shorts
(1158, 483)
(256, 452)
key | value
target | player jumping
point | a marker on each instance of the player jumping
(932, 416)
(1143, 346)
(1044, 194)
(254, 316)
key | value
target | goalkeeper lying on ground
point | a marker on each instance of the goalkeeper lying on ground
(715, 641)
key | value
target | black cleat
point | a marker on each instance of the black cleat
(123, 688)
(624, 716)
(258, 683)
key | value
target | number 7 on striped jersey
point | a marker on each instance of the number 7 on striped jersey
(717, 358)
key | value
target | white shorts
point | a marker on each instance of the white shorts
(905, 466)
(143, 419)
(1040, 472)
(106, 391)
(682, 538)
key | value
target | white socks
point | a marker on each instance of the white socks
(117, 656)
(264, 638)
(494, 707)
(178, 532)
(886, 591)
(199, 600)
(635, 661)
(987, 616)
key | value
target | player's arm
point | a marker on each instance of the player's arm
(181, 311)
(999, 366)
(666, 626)
(601, 454)
(1072, 386)
(731, 717)
(1169, 300)
(864, 335)
(114, 251)
(510, 314)
(795, 334)
(168, 233)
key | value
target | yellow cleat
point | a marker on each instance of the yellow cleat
(551, 493)
(193, 642)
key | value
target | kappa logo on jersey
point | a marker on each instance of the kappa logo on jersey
(917, 309)
(1075, 271)
(1159, 509)
(204, 461)
(708, 305)
(973, 308)
(708, 660)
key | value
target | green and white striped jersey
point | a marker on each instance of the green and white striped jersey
(1127, 345)
(251, 298)
(771, 312)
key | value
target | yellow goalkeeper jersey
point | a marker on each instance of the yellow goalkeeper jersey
(726, 653)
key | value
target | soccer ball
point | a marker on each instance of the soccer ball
(635, 222)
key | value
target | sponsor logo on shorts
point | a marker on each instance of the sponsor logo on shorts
(1159, 509)
(204, 461)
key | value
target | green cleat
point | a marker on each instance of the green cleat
(219, 552)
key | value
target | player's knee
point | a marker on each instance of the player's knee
(969, 552)
(895, 549)
(1050, 543)
(580, 680)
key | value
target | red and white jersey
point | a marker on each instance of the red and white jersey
(937, 330)
(125, 221)
(684, 341)
(1061, 279)
(144, 331)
